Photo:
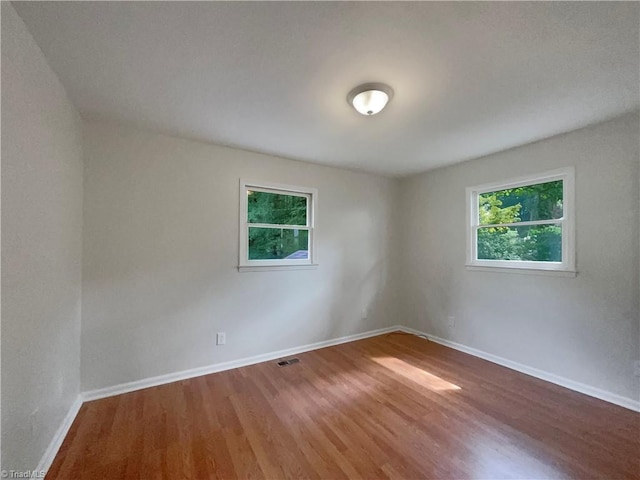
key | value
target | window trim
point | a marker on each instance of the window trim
(567, 265)
(246, 265)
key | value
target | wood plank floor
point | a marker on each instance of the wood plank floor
(393, 406)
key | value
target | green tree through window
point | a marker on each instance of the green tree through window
(269, 210)
(276, 208)
(500, 238)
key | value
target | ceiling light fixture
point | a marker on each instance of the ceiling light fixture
(370, 98)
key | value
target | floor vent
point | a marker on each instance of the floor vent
(291, 361)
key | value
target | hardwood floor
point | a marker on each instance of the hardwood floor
(393, 406)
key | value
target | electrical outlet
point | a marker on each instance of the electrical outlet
(365, 313)
(221, 338)
(451, 320)
(636, 368)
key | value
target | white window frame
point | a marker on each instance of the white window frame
(566, 266)
(244, 264)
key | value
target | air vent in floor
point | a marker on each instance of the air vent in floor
(291, 361)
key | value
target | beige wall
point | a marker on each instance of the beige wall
(161, 251)
(586, 328)
(41, 248)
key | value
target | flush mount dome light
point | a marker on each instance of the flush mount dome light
(370, 98)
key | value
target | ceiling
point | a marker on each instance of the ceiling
(470, 78)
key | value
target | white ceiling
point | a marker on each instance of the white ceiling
(469, 78)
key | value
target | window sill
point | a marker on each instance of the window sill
(276, 268)
(523, 271)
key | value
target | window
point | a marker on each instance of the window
(525, 223)
(276, 226)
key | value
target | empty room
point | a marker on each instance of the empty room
(320, 240)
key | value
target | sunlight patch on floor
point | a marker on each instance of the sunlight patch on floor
(422, 377)
(495, 456)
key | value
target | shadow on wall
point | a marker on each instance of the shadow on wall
(358, 301)
(361, 293)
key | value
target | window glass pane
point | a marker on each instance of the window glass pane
(539, 243)
(542, 201)
(276, 208)
(278, 243)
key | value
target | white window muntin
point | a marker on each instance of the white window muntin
(567, 221)
(311, 194)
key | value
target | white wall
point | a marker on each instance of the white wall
(159, 275)
(585, 328)
(161, 251)
(41, 248)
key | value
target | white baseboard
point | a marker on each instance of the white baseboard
(534, 372)
(58, 438)
(61, 433)
(54, 446)
(219, 367)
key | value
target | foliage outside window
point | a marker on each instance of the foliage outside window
(276, 225)
(526, 223)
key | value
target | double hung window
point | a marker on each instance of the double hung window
(526, 223)
(276, 225)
